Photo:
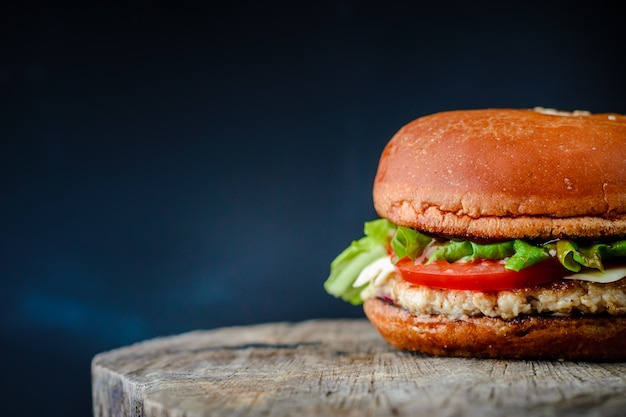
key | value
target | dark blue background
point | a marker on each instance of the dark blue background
(167, 168)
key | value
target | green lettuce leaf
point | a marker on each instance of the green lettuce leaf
(347, 266)
(492, 250)
(565, 250)
(574, 257)
(451, 251)
(408, 242)
(525, 255)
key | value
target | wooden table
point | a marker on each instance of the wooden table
(337, 368)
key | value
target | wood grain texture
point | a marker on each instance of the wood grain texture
(337, 368)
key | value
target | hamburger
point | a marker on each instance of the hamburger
(502, 234)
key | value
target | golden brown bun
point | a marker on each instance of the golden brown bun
(532, 337)
(506, 173)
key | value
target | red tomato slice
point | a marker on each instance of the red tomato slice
(481, 275)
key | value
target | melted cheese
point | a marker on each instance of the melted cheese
(609, 275)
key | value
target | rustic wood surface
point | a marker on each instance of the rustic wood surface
(337, 368)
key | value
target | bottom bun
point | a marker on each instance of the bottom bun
(601, 338)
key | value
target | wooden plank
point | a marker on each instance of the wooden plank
(337, 368)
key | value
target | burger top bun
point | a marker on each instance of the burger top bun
(507, 173)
